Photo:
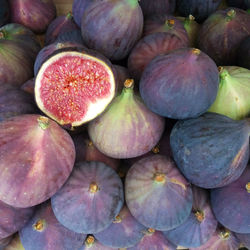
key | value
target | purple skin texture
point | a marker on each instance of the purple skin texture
(29, 86)
(5, 241)
(70, 36)
(124, 232)
(200, 225)
(211, 150)
(13, 219)
(112, 27)
(153, 240)
(221, 239)
(164, 91)
(244, 239)
(59, 26)
(37, 157)
(78, 8)
(221, 34)
(34, 14)
(150, 185)
(46, 232)
(243, 53)
(129, 121)
(93, 244)
(148, 48)
(231, 204)
(90, 199)
(122, 75)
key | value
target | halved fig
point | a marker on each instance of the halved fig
(73, 87)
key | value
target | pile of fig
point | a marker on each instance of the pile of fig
(125, 124)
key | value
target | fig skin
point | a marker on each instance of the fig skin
(93, 244)
(78, 8)
(211, 150)
(33, 14)
(70, 36)
(46, 232)
(5, 241)
(150, 185)
(164, 92)
(243, 53)
(35, 169)
(29, 86)
(113, 41)
(231, 204)
(244, 239)
(221, 34)
(129, 121)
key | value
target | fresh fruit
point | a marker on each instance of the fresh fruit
(34, 14)
(91, 198)
(73, 87)
(244, 239)
(211, 150)
(112, 27)
(156, 193)
(5, 241)
(37, 157)
(29, 86)
(231, 204)
(164, 91)
(15, 244)
(127, 128)
(92, 244)
(233, 95)
(243, 53)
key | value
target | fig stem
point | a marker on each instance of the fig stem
(196, 51)
(170, 23)
(230, 15)
(39, 225)
(129, 83)
(160, 178)
(43, 122)
(89, 241)
(248, 187)
(118, 219)
(199, 216)
(93, 187)
(225, 234)
(69, 15)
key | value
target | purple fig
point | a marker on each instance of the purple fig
(243, 53)
(93, 244)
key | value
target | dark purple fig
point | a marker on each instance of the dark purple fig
(29, 86)
(74, 85)
(34, 14)
(4, 12)
(244, 239)
(70, 36)
(122, 75)
(221, 34)
(222, 239)
(86, 151)
(150, 185)
(5, 241)
(168, 24)
(164, 91)
(78, 8)
(37, 157)
(243, 53)
(112, 27)
(233, 94)
(148, 48)
(200, 9)
(157, 7)
(200, 225)
(211, 150)
(13, 219)
(127, 128)
(92, 244)
(18, 50)
(15, 244)
(153, 240)
(59, 26)
(124, 232)
(46, 232)
(90, 199)
(231, 204)
(15, 102)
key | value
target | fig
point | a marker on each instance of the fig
(233, 94)
(211, 150)
(200, 9)
(244, 239)
(164, 91)
(90, 199)
(112, 27)
(70, 36)
(78, 8)
(15, 244)
(73, 87)
(18, 50)
(46, 232)
(148, 48)
(221, 239)
(29, 86)
(231, 204)
(157, 7)
(153, 239)
(4, 12)
(5, 241)
(58, 26)
(127, 128)
(200, 225)
(92, 244)
(124, 232)
(13, 219)
(34, 14)
(37, 157)
(221, 34)
(15, 102)
(86, 151)
(243, 53)
(150, 185)
(122, 75)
